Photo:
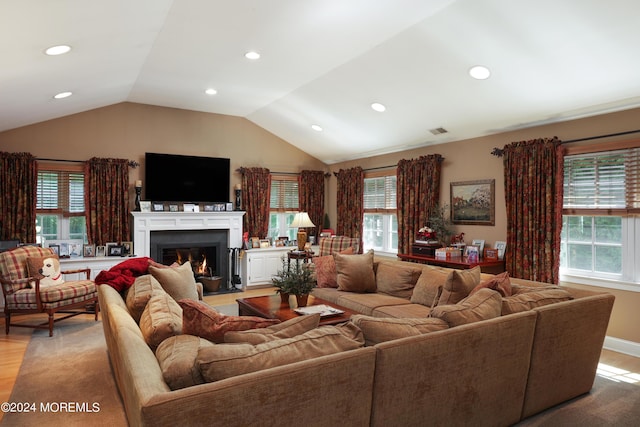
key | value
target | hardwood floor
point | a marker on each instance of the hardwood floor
(13, 346)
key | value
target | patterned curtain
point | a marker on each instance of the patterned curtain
(418, 192)
(18, 184)
(350, 201)
(256, 191)
(311, 196)
(106, 200)
(533, 178)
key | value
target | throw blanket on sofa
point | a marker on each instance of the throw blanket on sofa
(121, 276)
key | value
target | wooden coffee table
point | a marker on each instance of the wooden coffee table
(271, 307)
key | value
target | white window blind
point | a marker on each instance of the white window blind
(380, 194)
(602, 181)
(284, 194)
(60, 192)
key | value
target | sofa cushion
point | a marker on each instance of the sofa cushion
(161, 319)
(377, 329)
(366, 303)
(204, 321)
(500, 283)
(355, 272)
(396, 280)
(482, 305)
(287, 329)
(177, 359)
(229, 360)
(535, 298)
(458, 285)
(325, 267)
(139, 293)
(402, 310)
(46, 268)
(429, 286)
(176, 281)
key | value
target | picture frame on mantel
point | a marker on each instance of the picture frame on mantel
(473, 202)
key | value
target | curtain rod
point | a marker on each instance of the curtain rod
(132, 163)
(498, 152)
(240, 170)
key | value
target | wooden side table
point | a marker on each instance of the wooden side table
(305, 256)
(491, 267)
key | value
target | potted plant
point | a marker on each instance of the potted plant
(294, 279)
(440, 224)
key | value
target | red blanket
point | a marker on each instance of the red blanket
(121, 276)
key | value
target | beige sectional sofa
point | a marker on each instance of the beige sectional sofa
(448, 369)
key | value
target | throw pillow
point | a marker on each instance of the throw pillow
(532, 299)
(230, 360)
(139, 293)
(483, 305)
(178, 282)
(459, 284)
(47, 269)
(325, 267)
(381, 329)
(396, 279)
(500, 283)
(177, 359)
(429, 286)
(161, 319)
(287, 329)
(355, 272)
(204, 321)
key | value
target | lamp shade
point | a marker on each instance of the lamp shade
(301, 220)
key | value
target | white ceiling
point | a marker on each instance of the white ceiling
(324, 62)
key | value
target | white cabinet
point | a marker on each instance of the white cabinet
(259, 265)
(95, 264)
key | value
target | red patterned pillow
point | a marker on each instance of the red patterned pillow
(326, 273)
(204, 321)
(500, 283)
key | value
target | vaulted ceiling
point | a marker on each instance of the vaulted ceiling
(324, 62)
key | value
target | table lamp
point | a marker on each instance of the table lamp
(301, 220)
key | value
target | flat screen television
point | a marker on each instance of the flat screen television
(178, 178)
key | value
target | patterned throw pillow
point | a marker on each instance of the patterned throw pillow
(500, 283)
(326, 274)
(204, 321)
(47, 269)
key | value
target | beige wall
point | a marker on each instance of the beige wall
(128, 130)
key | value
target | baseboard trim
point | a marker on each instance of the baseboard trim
(622, 346)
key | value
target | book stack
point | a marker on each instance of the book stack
(448, 253)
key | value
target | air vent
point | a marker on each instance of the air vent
(438, 131)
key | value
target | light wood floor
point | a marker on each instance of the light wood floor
(13, 346)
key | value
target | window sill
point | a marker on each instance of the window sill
(601, 283)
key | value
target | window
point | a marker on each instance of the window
(380, 224)
(600, 231)
(283, 205)
(60, 203)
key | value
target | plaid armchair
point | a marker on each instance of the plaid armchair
(24, 294)
(335, 244)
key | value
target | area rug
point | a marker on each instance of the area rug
(66, 380)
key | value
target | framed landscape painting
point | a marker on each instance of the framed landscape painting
(473, 202)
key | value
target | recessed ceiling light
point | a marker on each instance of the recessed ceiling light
(210, 91)
(316, 128)
(378, 107)
(62, 95)
(479, 72)
(252, 55)
(58, 50)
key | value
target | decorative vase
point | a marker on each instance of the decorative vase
(284, 297)
(302, 300)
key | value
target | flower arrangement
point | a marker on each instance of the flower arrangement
(426, 233)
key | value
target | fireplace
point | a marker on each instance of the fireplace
(164, 236)
(206, 250)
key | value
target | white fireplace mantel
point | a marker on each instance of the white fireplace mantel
(146, 222)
